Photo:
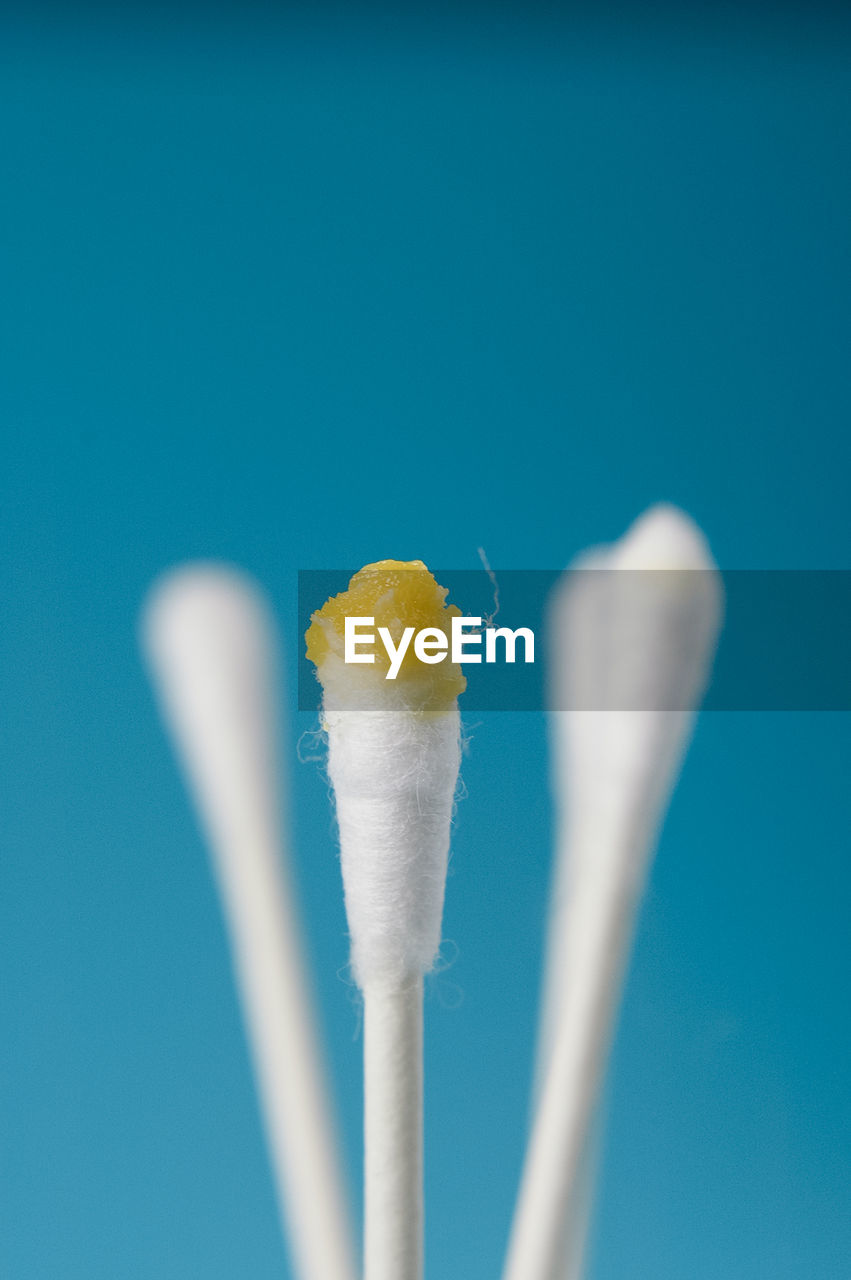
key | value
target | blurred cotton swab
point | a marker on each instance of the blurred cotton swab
(210, 646)
(393, 757)
(631, 656)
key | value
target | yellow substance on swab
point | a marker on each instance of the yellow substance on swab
(396, 594)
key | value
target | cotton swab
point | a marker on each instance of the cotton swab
(631, 658)
(393, 758)
(210, 646)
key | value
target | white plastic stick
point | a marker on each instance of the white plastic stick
(393, 1111)
(574, 610)
(553, 1162)
(574, 671)
(210, 645)
(631, 656)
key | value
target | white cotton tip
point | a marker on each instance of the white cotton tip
(394, 770)
(394, 777)
(629, 658)
(632, 638)
(663, 537)
(207, 635)
(666, 601)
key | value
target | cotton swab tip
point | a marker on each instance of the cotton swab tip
(663, 537)
(393, 758)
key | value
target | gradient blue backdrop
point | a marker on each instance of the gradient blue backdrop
(307, 291)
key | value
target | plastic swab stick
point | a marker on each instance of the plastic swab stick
(393, 757)
(631, 658)
(561, 931)
(210, 645)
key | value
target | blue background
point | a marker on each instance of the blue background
(308, 291)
